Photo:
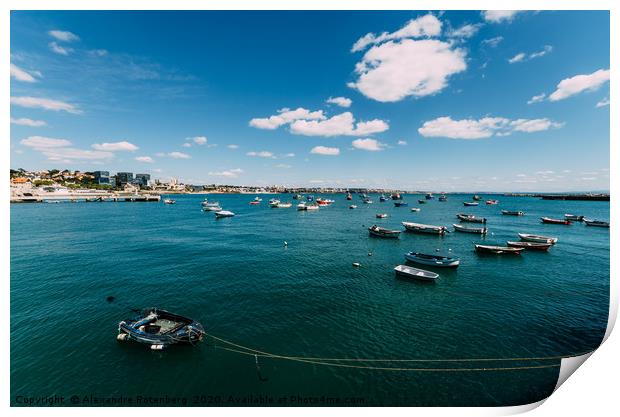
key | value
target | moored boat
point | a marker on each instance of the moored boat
(416, 209)
(258, 199)
(160, 329)
(549, 220)
(381, 215)
(432, 260)
(443, 197)
(254, 203)
(492, 202)
(422, 201)
(273, 203)
(537, 238)
(382, 198)
(207, 204)
(415, 273)
(367, 201)
(224, 213)
(212, 208)
(311, 206)
(470, 203)
(352, 206)
(471, 218)
(597, 223)
(169, 201)
(574, 217)
(424, 228)
(498, 250)
(349, 197)
(530, 245)
(512, 213)
(284, 205)
(476, 198)
(429, 196)
(383, 232)
(400, 204)
(463, 229)
(396, 196)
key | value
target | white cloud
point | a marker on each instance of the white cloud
(61, 50)
(288, 155)
(368, 145)
(286, 116)
(483, 128)
(340, 125)
(199, 140)
(63, 35)
(42, 142)
(402, 142)
(115, 146)
(340, 101)
(98, 52)
(28, 122)
(230, 173)
(497, 16)
(522, 57)
(233, 146)
(427, 25)
(284, 166)
(21, 75)
(178, 155)
(537, 99)
(604, 102)
(395, 70)
(579, 83)
(44, 103)
(68, 154)
(146, 159)
(517, 58)
(187, 145)
(465, 31)
(324, 150)
(261, 154)
(493, 42)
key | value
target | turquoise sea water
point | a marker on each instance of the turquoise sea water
(237, 277)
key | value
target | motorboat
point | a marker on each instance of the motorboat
(476, 198)
(381, 215)
(498, 250)
(470, 203)
(538, 238)
(224, 213)
(415, 273)
(297, 197)
(311, 206)
(432, 260)
(512, 213)
(160, 329)
(416, 209)
(421, 201)
(425, 228)
(383, 232)
(395, 196)
(258, 199)
(284, 205)
(206, 203)
(443, 197)
(349, 196)
(254, 203)
(530, 245)
(471, 218)
(169, 201)
(211, 208)
(549, 220)
(273, 203)
(429, 196)
(352, 206)
(463, 229)
(367, 201)
(382, 198)
(400, 204)
(574, 217)
(597, 223)
(492, 202)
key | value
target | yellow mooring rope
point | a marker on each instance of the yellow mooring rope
(244, 350)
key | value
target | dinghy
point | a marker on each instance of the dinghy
(415, 273)
(574, 217)
(476, 198)
(382, 232)
(416, 209)
(597, 223)
(443, 197)
(284, 205)
(463, 229)
(512, 213)
(498, 250)
(470, 203)
(422, 201)
(352, 206)
(471, 218)
(381, 215)
(492, 202)
(400, 204)
(530, 245)
(425, 228)
(549, 220)
(538, 238)
(169, 201)
(160, 329)
(432, 260)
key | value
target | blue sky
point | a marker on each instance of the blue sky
(424, 100)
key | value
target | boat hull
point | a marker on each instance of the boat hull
(530, 245)
(186, 331)
(430, 260)
(498, 250)
(537, 238)
(415, 273)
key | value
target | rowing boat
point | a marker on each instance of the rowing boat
(382, 232)
(512, 213)
(425, 228)
(471, 218)
(597, 223)
(432, 260)
(400, 204)
(381, 215)
(538, 238)
(574, 217)
(549, 220)
(470, 203)
(463, 229)
(530, 245)
(498, 250)
(415, 273)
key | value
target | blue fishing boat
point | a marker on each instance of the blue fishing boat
(433, 260)
(400, 204)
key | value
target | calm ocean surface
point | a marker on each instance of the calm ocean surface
(236, 277)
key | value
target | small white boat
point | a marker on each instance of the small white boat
(312, 207)
(463, 229)
(470, 203)
(211, 208)
(169, 201)
(258, 199)
(498, 250)
(432, 260)
(471, 218)
(416, 209)
(512, 213)
(301, 206)
(415, 273)
(574, 217)
(425, 228)
(367, 201)
(381, 215)
(284, 205)
(273, 203)
(597, 223)
(207, 204)
(352, 206)
(538, 238)
(382, 232)
(224, 213)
